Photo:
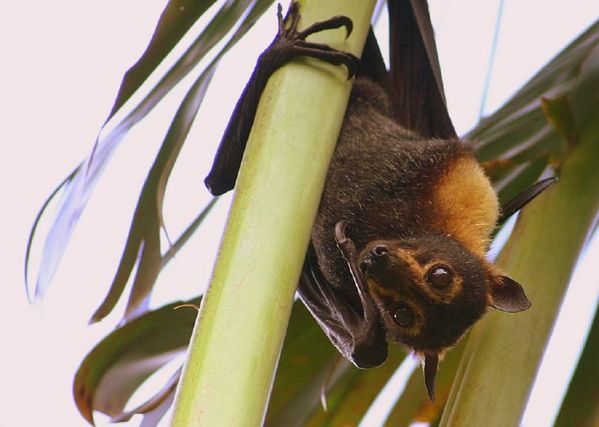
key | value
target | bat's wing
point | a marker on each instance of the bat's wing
(341, 316)
(288, 43)
(417, 87)
(373, 65)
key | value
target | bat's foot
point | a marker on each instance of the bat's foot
(288, 43)
(291, 42)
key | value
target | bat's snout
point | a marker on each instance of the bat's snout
(377, 258)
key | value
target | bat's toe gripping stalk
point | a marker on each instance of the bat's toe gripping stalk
(290, 42)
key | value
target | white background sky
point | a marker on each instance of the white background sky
(61, 68)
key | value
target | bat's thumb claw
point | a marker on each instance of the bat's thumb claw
(349, 26)
(340, 228)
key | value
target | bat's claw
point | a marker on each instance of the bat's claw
(291, 18)
(340, 228)
(290, 42)
(330, 24)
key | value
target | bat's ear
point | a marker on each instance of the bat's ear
(431, 363)
(507, 295)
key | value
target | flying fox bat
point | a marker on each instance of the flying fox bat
(398, 247)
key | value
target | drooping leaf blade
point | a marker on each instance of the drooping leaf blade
(188, 232)
(153, 417)
(303, 369)
(78, 190)
(156, 406)
(115, 368)
(143, 241)
(36, 222)
(176, 18)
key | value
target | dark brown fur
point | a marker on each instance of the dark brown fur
(390, 186)
(380, 180)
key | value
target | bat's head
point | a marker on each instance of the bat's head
(430, 290)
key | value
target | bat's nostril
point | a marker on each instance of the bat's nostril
(365, 265)
(377, 258)
(380, 251)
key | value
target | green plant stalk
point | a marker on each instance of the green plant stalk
(240, 329)
(504, 351)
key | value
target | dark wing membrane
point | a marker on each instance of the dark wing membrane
(417, 87)
(340, 314)
(328, 305)
(372, 64)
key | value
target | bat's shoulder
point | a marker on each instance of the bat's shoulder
(466, 204)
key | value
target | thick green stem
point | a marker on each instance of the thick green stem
(504, 350)
(242, 322)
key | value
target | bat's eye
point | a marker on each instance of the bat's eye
(439, 277)
(403, 316)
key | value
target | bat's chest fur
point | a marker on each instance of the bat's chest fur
(391, 184)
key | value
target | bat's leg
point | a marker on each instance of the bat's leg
(524, 198)
(288, 44)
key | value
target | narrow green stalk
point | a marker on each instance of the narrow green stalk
(242, 322)
(504, 351)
